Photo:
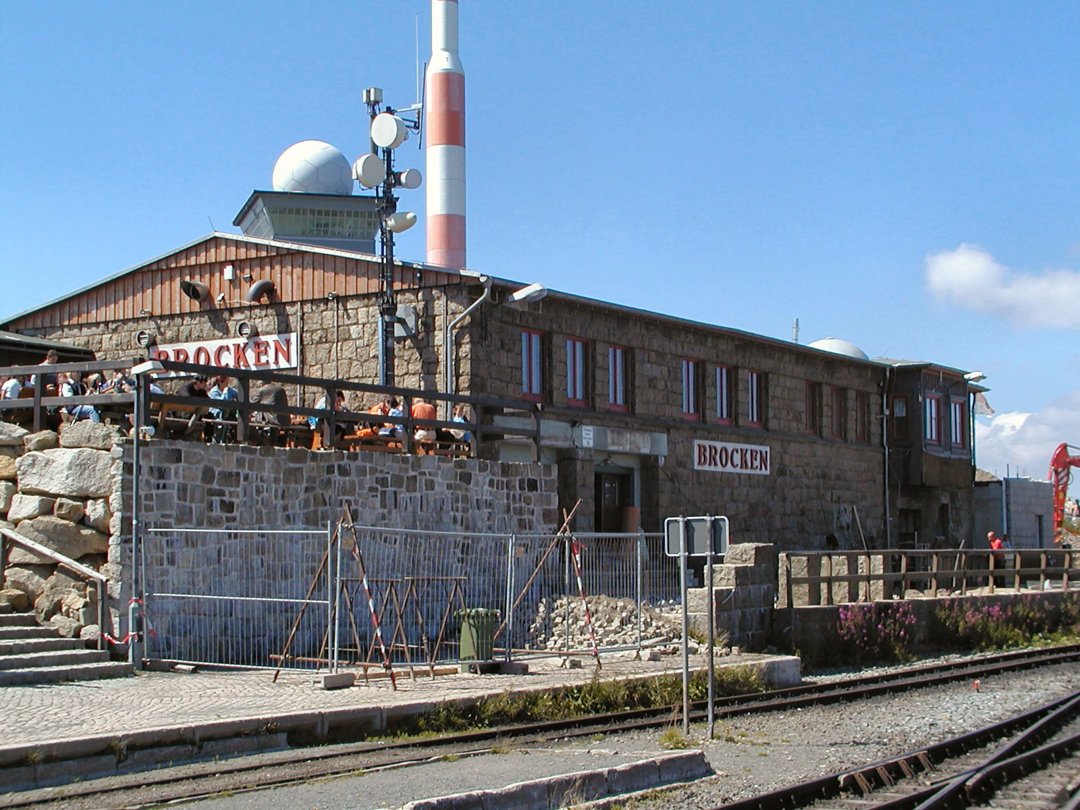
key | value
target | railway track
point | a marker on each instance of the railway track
(964, 771)
(259, 771)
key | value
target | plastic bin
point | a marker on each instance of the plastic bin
(477, 633)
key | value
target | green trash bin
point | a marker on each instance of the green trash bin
(477, 634)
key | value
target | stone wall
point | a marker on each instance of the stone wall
(62, 492)
(1029, 507)
(743, 597)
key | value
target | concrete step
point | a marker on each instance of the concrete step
(52, 658)
(29, 645)
(5, 607)
(44, 675)
(28, 631)
(12, 619)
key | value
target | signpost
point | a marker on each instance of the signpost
(696, 537)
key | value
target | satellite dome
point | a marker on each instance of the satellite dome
(313, 167)
(839, 346)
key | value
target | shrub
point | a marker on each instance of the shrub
(981, 625)
(876, 632)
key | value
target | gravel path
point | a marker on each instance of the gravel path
(759, 753)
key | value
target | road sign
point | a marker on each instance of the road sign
(700, 533)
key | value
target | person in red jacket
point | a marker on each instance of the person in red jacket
(997, 545)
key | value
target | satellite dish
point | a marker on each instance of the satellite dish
(388, 131)
(195, 290)
(410, 178)
(369, 170)
(401, 221)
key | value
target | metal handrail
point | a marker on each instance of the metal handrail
(78, 568)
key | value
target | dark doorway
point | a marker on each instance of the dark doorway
(615, 509)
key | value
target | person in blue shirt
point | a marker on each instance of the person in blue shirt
(222, 392)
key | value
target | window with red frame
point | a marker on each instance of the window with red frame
(618, 378)
(932, 419)
(725, 394)
(577, 372)
(691, 389)
(838, 420)
(755, 398)
(532, 364)
(958, 424)
(862, 416)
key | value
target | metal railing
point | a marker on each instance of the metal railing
(9, 537)
(836, 577)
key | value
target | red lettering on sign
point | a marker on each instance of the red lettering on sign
(219, 360)
(724, 456)
(202, 356)
(180, 355)
(283, 352)
(262, 352)
(240, 356)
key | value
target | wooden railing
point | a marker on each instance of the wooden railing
(831, 578)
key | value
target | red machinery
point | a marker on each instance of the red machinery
(1060, 474)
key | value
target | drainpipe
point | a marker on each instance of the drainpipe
(448, 337)
(885, 447)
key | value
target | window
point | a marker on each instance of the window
(839, 413)
(725, 395)
(812, 410)
(532, 364)
(958, 423)
(691, 389)
(618, 378)
(898, 410)
(577, 375)
(862, 417)
(932, 425)
(755, 399)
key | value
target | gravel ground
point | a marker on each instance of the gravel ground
(759, 753)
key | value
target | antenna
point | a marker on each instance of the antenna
(416, 39)
(420, 117)
(212, 228)
(795, 331)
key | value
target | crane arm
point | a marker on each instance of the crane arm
(1061, 463)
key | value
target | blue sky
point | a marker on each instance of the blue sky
(905, 176)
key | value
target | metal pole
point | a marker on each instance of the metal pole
(685, 627)
(135, 580)
(334, 583)
(510, 544)
(640, 588)
(711, 627)
(387, 303)
(566, 599)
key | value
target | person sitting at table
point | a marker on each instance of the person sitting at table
(195, 388)
(269, 425)
(72, 386)
(318, 423)
(48, 379)
(392, 430)
(422, 409)
(10, 388)
(222, 392)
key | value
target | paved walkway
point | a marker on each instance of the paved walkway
(153, 702)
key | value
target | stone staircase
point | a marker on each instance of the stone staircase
(34, 655)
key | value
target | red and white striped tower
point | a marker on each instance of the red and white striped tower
(444, 130)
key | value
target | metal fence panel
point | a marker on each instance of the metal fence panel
(232, 597)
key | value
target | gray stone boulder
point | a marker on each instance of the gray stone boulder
(63, 536)
(42, 440)
(7, 491)
(27, 507)
(11, 435)
(9, 470)
(91, 632)
(30, 579)
(69, 628)
(72, 472)
(82, 609)
(59, 587)
(89, 434)
(18, 600)
(97, 515)
(67, 509)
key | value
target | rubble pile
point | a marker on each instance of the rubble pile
(615, 623)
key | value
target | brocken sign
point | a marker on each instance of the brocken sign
(266, 352)
(748, 459)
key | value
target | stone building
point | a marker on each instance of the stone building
(644, 415)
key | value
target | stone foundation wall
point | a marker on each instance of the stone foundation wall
(743, 597)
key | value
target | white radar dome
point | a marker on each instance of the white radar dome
(313, 167)
(839, 346)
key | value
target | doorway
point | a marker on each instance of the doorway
(614, 499)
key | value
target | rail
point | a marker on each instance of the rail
(8, 536)
(837, 577)
(40, 407)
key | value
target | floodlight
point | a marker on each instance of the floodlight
(533, 292)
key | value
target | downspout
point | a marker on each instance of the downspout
(449, 385)
(885, 447)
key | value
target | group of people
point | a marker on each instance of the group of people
(391, 407)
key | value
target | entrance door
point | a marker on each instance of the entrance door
(615, 509)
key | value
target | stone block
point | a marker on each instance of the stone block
(7, 491)
(28, 578)
(67, 509)
(89, 434)
(42, 440)
(751, 554)
(97, 515)
(9, 470)
(12, 435)
(69, 539)
(18, 600)
(77, 473)
(26, 507)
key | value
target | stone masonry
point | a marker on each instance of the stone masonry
(743, 597)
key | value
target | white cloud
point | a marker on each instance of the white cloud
(968, 277)
(1021, 443)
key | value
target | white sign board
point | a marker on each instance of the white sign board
(262, 352)
(745, 459)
